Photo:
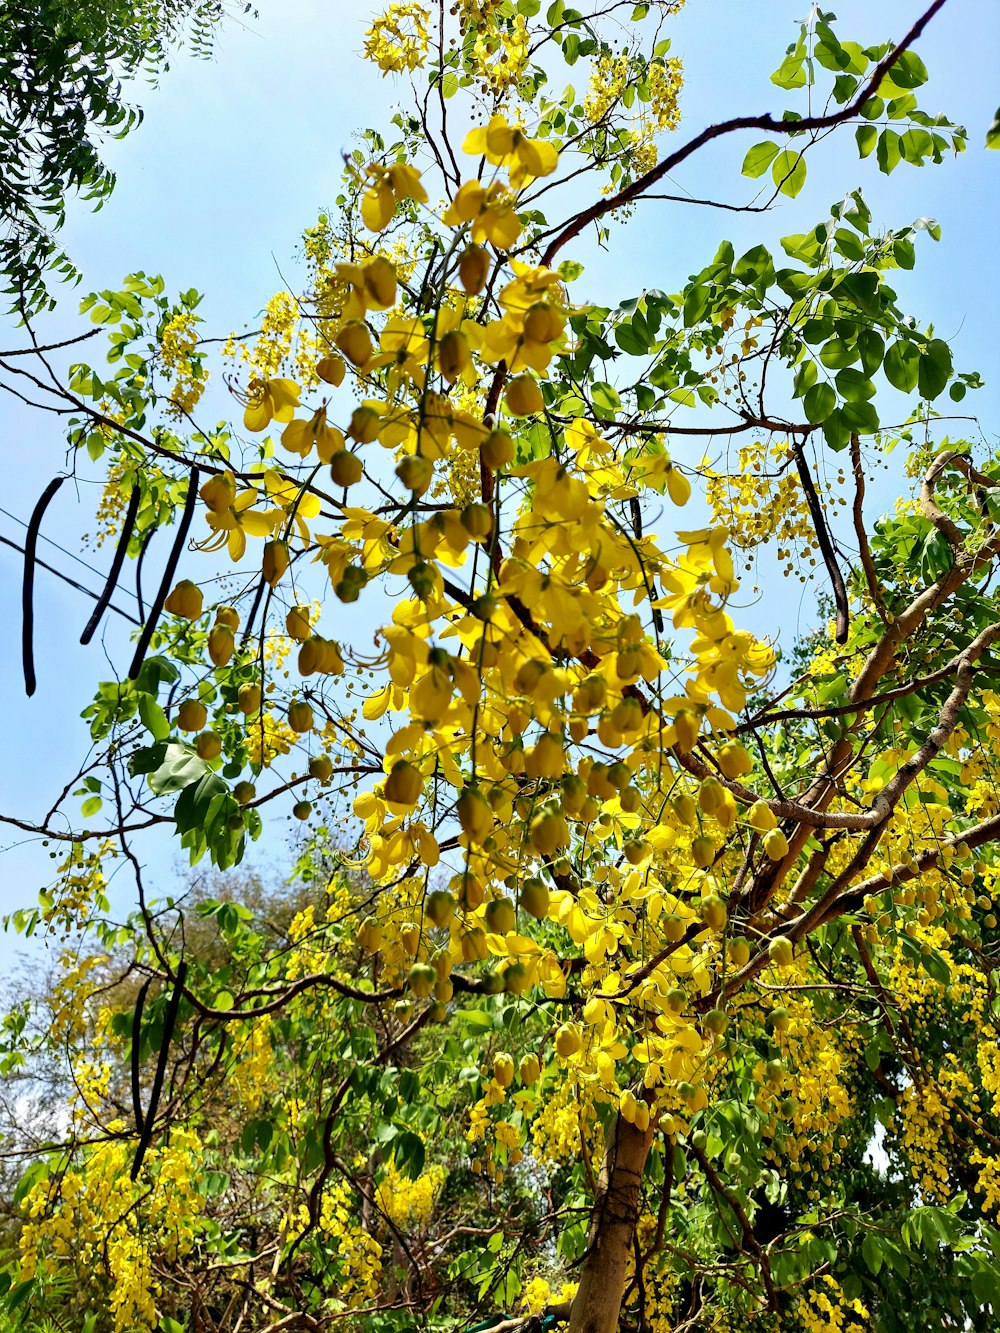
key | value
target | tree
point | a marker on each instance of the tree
(644, 983)
(61, 67)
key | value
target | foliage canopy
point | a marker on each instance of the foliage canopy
(631, 979)
(61, 67)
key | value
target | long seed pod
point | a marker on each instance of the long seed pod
(248, 627)
(136, 1034)
(28, 587)
(825, 546)
(168, 577)
(170, 1022)
(150, 534)
(116, 566)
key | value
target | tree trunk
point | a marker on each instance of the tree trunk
(598, 1300)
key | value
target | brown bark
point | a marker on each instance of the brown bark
(597, 1303)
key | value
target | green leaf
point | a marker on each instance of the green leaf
(871, 345)
(872, 1251)
(993, 133)
(475, 1020)
(857, 57)
(194, 805)
(848, 244)
(605, 399)
(633, 337)
(837, 430)
(902, 365)
(156, 671)
(836, 354)
(570, 269)
(755, 265)
(819, 402)
(788, 172)
(903, 253)
(854, 385)
(889, 153)
(410, 1153)
(257, 1134)
(91, 806)
(180, 768)
(860, 416)
(805, 378)
(759, 158)
(934, 368)
(936, 967)
(695, 304)
(791, 73)
(908, 71)
(20, 1293)
(936, 558)
(154, 719)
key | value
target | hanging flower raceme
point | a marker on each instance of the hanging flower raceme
(397, 40)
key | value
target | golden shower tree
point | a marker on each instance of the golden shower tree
(635, 978)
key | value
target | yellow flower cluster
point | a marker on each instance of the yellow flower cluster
(474, 15)
(252, 1075)
(988, 1184)
(359, 1253)
(98, 1220)
(267, 738)
(409, 1204)
(70, 994)
(112, 505)
(537, 1293)
(566, 1117)
(609, 77)
(79, 889)
(397, 40)
(178, 341)
(761, 498)
(825, 1309)
(285, 341)
(500, 54)
(665, 79)
(815, 1085)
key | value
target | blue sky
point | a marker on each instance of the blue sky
(237, 155)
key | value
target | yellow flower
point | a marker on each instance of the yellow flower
(504, 145)
(230, 525)
(371, 286)
(298, 437)
(490, 212)
(270, 400)
(389, 185)
(293, 499)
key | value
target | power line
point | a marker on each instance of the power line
(72, 582)
(21, 523)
